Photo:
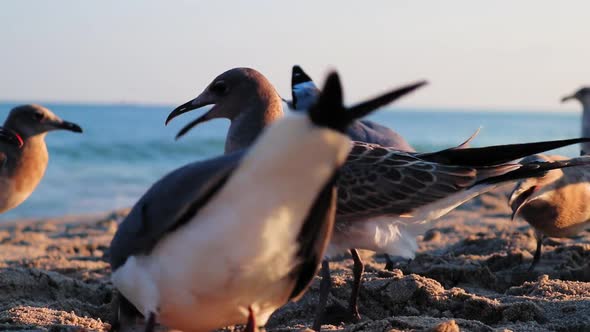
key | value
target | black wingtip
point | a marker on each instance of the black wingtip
(328, 111)
(298, 76)
(497, 154)
(362, 109)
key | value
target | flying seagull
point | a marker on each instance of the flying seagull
(555, 204)
(305, 93)
(386, 197)
(23, 153)
(583, 96)
(233, 238)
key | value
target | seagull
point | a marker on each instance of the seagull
(386, 197)
(23, 153)
(233, 88)
(555, 204)
(583, 96)
(229, 240)
(304, 94)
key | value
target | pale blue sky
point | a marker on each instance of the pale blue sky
(521, 54)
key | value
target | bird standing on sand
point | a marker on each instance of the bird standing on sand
(23, 153)
(555, 204)
(231, 239)
(305, 93)
(385, 197)
(583, 96)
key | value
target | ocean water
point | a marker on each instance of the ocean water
(126, 148)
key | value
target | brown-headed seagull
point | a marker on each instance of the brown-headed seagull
(555, 204)
(23, 153)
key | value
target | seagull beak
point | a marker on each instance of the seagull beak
(567, 98)
(519, 197)
(66, 125)
(203, 99)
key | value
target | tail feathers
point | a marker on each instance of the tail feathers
(494, 155)
(536, 169)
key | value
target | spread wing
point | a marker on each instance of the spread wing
(377, 181)
(170, 203)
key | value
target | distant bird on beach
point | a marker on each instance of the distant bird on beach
(386, 197)
(583, 96)
(304, 94)
(23, 154)
(555, 204)
(231, 239)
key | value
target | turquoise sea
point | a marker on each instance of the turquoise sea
(126, 148)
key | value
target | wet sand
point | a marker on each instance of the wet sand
(470, 275)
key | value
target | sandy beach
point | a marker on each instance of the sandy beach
(470, 275)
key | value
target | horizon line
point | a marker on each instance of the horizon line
(415, 107)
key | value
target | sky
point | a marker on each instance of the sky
(500, 54)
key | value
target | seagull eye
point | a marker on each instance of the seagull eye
(219, 88)
(37, 116)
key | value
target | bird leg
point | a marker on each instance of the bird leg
(251, 326)
(388, 263)
(325, 285)
(357, 270)
(537, 256)
(150, 324)
(127, 318)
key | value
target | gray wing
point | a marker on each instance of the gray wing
(371, 132)
(168, 204)
(377, 181)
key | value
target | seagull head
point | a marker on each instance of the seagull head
(31, 120)
(527, 190)
(582, 95)
(230, 94)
